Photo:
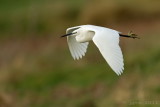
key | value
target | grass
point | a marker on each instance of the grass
(52, 78)
(42, 75)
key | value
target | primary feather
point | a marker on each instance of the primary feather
(108, 44)
(77, 49)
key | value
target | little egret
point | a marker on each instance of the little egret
(107, 41)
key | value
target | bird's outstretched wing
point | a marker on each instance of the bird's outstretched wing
(107, 42)
(77, 49)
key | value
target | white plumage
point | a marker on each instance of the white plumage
(107, 41)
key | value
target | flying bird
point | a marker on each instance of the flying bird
(107, 41)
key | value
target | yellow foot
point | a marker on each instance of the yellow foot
(132, 35)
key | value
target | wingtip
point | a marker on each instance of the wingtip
(119, 72)
(77, 58)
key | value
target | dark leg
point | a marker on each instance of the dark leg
(125, 36)
(130, 35)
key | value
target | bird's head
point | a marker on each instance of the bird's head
(73, 33)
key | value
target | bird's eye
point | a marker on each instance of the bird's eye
(74, 32)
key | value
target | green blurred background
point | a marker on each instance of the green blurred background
(37, 70)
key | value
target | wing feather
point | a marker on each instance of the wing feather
(77, 49)
(107, 42)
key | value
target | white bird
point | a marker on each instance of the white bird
(107, 41)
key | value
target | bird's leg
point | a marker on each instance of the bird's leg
(130, 35)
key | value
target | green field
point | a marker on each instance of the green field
(37, 70)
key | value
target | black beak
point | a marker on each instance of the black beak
(68, 34)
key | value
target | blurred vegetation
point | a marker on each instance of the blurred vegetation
(36, 68)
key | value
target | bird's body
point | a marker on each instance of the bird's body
(107, 41)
